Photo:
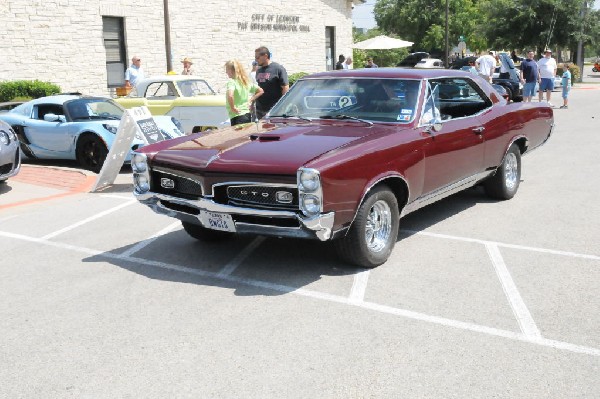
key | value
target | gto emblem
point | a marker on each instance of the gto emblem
(167, 183)
(284, 197)
(254, 193)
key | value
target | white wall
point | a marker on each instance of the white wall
(61, 40)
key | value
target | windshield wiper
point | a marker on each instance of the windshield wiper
(346, 117)
(295, 117)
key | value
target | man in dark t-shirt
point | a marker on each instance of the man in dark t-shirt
(272, 78)
(529, 76)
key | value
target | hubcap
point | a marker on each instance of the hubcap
(379, 226)
(511, 171)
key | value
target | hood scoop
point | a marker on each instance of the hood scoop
(264, 137)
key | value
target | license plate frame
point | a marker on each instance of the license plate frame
(217, 221)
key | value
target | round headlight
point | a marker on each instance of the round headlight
(309, 180)
(141, 183)
(311, 204)
(4, 139)
(138, 163)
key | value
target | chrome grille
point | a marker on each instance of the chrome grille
(166, 183)
(264, 196)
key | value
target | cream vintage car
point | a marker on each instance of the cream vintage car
(188, 98)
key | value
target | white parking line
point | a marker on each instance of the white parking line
(324, 296)
(235, 262)
(526, 322)
(359, 287)
(116, 196)
(84, 221)
(142, 244)
(504, 245)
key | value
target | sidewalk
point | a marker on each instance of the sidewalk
(39, 183)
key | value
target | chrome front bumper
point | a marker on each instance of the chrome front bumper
(319, 227)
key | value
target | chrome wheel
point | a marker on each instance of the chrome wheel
(511, 171)
(378, 226)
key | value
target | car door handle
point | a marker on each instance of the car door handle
(478, 130)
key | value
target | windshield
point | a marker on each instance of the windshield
(371, 99)
(93, 108)
(191, 88)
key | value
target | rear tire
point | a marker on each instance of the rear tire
(91, 152)
(203, 234)
(505, 182)
(373, 234)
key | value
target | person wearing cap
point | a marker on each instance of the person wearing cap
(547, 67)
(187, 66)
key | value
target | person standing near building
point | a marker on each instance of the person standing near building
(135, 72)
(348, 63)
(529, 76)
(547, 67)
(566, 85)
(239, 88)
(187, 66)
(272, 78)
(340, 64)
(486, 64)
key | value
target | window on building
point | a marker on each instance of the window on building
(114, 43)
(329, 47)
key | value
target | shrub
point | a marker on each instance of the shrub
(573, 68)
(21, 89)
(295, 76)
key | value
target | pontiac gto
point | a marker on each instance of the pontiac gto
(342, 157)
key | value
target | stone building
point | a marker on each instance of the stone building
(85, 45)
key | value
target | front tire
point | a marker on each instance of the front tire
(91, 152)
(203, 234)
(505, 182)
(372, 236)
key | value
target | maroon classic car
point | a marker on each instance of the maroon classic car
(342, 156)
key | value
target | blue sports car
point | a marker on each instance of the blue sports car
(10, 160)
(74, 127)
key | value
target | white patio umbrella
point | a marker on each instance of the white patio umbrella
(381, 42)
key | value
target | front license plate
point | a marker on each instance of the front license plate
(217, 221)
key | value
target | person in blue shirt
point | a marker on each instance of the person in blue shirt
(530, 76)
(134, 73)
(566, 85)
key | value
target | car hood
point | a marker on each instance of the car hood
(252, 149)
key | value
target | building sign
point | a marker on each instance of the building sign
(273, 23)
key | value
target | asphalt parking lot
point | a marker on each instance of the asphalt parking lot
(100, 297)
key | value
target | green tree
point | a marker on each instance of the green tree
(423, 22)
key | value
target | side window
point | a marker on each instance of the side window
(160, 89)
(42, 109)
(460, 98)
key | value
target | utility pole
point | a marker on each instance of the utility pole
(579, 60)
(167, 35)
(446, 62)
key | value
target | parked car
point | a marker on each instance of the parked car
(430, 63)
(73, 127)
(189, 99)
(10, 157)
(346, 169)
(412, 59)
(512, 84)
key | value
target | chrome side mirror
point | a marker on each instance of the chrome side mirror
(54, 118)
